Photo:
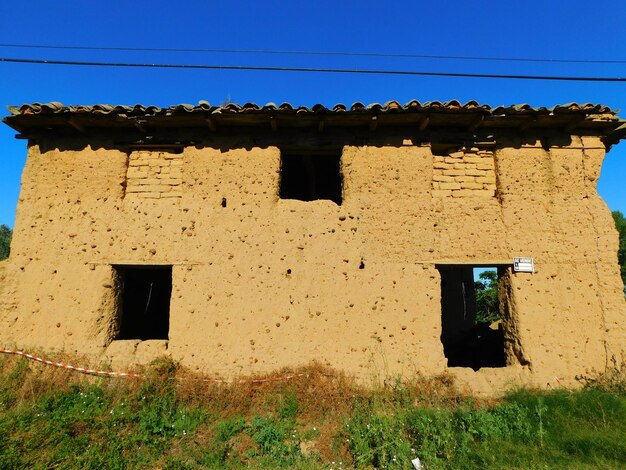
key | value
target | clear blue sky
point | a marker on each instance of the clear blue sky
(547, 29)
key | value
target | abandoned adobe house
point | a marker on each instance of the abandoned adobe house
(240, 239)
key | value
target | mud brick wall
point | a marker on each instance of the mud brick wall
(260, 282)
(154, 175)
(467, 173)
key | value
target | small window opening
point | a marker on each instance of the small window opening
(144, 302)
(472, 332)
(311, 176)
(443, 149)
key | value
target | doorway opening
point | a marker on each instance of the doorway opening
(472, 331)
(144, 302)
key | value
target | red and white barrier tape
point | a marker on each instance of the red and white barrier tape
(63, 365)
(104, 373)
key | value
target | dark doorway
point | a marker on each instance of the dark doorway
(309, 176)
(471, 333)
(144, 302)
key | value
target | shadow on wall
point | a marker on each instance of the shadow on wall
(176, 139)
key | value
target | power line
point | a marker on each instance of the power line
(321, 53)
(313, 70)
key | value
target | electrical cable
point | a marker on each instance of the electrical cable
(311, 69)
(321, 53)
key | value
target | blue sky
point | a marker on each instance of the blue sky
(565, 30)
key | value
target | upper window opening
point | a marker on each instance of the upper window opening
(311, 176)
(144, 302)
(472, 331)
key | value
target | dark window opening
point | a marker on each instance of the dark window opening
(443, 149)
(472, 332)
(311, 176)
(144, 302)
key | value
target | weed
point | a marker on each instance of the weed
(289, 409)
(613, 378)
(276, 440)
(173, 420)
(378, 441)
(230, 428)
(540, 408)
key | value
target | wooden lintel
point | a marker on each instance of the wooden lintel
(485, 144)
(424, 123)
(72, 121)
(320, 125)
(373, 123)
(273, 123)
(211, 124)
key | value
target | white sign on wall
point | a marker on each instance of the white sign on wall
(523, 265)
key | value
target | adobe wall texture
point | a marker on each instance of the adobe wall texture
(264, 283)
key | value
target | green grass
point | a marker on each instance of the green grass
(173, 420)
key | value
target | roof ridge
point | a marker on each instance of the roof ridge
(389, 106)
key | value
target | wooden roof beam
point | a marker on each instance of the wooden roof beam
(139, 125)
(528, 124)
(573, 124)
(476, 123)
(373, 123)
(72, 121)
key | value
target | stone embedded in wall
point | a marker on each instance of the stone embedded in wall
(154, 175)
(467, 173)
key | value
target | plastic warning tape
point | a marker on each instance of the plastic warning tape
(105, 373)
(63, 365)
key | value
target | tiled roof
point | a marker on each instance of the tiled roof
(139, 122)
(375, 108)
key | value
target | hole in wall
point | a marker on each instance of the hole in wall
(472, 331)
(223, 202)
(310, 176)
(175, 149)
(442, 149)
(143, 305)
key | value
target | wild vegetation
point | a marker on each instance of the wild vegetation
(5, 241)
(487, 301)
(173, 419)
